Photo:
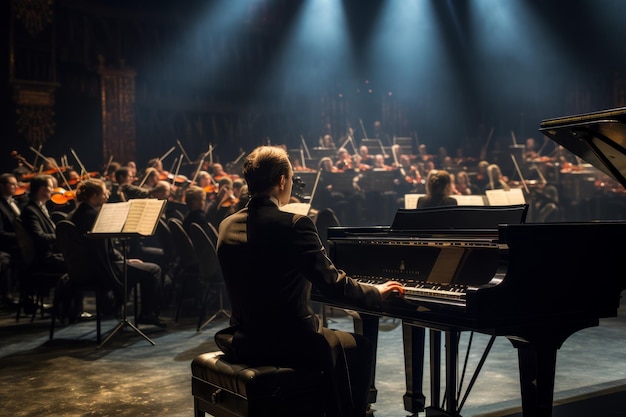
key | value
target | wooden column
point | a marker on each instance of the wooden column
(117, 87)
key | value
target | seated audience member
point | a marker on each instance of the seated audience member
(91, 196)
(438, 190)
(270, 261)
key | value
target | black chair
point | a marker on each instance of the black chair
(325, 218)
(85, 271)
(210, 273)
(209, 230)
(89, 272)
(35, 282)
(187, 273)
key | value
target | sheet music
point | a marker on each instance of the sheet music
(505, 198)
(410, 200)
(296, 208)
(134, 216)
(111, 218)
(469, 200)
(143, 215)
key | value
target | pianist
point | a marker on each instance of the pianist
(270, 259)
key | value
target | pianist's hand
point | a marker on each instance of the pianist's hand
(390, 288)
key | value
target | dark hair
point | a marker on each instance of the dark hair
(89, 188)
(4, 178)
(263, 167)
(122, 172)
(39, 181)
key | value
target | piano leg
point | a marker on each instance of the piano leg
(449, 408)
(536, 370)
(367, 325)
(413, 341)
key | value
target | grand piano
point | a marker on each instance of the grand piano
(483, 269)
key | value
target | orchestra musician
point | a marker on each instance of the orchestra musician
(497, 181)
(126, 190)
(327, 142)
(9, 251)
(151, 178)
(270, 261)
(39, 225)
(463, 184)
(344, 160)
(195, 198)
(224, 204)
(438, 190)
(91, 195)
(366, 161)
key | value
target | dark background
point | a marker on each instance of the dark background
(205, 78)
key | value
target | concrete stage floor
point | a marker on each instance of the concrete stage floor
(69, 376)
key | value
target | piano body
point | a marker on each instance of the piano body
(483, 269)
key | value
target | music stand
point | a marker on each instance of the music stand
(124, 221)
(124, 320)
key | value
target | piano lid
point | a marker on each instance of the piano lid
(599, 138)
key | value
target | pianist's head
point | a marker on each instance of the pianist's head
(267, 171)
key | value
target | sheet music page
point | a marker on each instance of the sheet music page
(497, 197)
(143, 216)
(296, 208)
(410, 200)
(470, 200)
(111, 218)
(516, 196)
(505, 198)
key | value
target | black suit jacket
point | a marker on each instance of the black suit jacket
(8, 240)
(270, 260)
(41, 229)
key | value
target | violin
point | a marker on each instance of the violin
(75, 181)
(230, 202)
(22, 189)
(61, 196)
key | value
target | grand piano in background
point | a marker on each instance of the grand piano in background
(482, 269)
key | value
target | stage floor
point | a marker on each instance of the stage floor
(68, 376)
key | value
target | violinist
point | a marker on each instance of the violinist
(91, 195)
(132, 170)
(240, 190)
(38, 223)
(379, 163)
(224, 204)
(151, 178)
(481, 180)
(109, 175)
(9, 251)
(125, 189)
(366, 161)
(344, 160)
(408, 179)
(195, 198)
(219, 173)
(497, 181)
(157, 164)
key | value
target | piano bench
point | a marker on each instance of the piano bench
(224, 389)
